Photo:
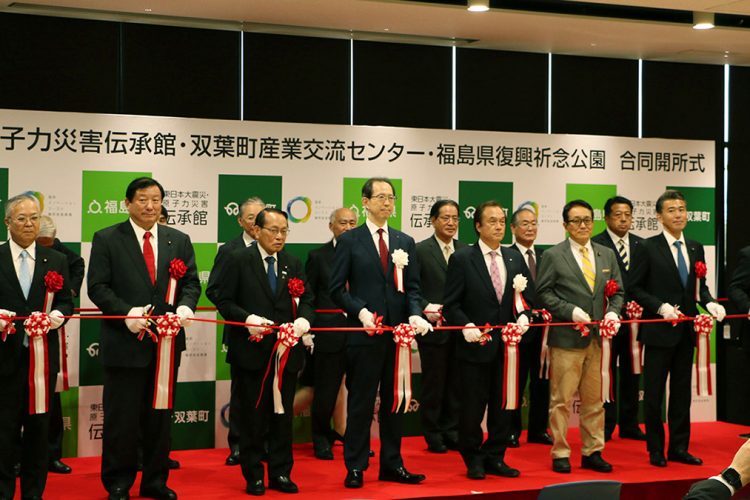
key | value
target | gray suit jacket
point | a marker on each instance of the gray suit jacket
(561, 287)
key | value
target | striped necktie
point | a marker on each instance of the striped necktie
(623, 251)
(588, 269)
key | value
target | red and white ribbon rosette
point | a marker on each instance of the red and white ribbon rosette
(511, 335)
(544, 356)
(177, 270)
(700, 273)
(285, 340)
(610, 289)
(400, 261)
(634, 311)
(703, 324)
(403, 336)
(37, 326)
(9, 328)
(296, 288)
(53, 282)
(167, 326)
(607, 330)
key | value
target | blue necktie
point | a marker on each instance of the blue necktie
(681, 265)
(271, 273)
(24, 276)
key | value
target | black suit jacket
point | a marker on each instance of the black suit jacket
(212, 289)
(739, 294)
(76, 266)
(244, 290)
(118, 281)
(12, 352)
(708, 489)
(432, 272)
(655, 280)
(531, 297)
(635, 243)
(318, 270)
(470, 298)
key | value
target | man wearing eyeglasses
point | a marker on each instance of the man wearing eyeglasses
(570, 284)
(438, 405)
(364, 260)
(255, 290)
(664, 284)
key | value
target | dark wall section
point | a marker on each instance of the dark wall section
(402, 85)
(501, 91)
(592, 95)
(55, 64)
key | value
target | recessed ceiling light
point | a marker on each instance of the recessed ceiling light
(479, 5)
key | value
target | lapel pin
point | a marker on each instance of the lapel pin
(169, 242)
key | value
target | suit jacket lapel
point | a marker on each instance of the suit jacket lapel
(366, 239)
(599, 265)
(283, 274)
(574, 267)
(165, 254)
(132, 247)
(437, 253)
(667, 256)
(508, 260)
(9, 270)
(256, 263)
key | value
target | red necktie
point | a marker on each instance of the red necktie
(383, 251)
(148, 256)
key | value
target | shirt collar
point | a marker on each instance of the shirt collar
(264, 254)
(524, 249)
(139, 231)
(615, 238)
(576, 247)
(671, 239)
(443, 244)
(16, 249)
(247, 239)
(485, 248)
(373, 228)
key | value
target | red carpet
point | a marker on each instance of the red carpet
(203, 474)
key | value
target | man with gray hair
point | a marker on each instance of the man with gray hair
(25, 266)
(246, 219)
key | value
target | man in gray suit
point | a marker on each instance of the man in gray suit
(438, 407)
(571, 283)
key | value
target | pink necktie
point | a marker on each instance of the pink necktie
(497, 281)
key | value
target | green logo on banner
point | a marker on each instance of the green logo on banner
(3, 199)
(596, 195)
(103, 200)
(700, 206)
(234, 190)
(193, 416)
(471, 194)
(89, 368)
(69, 404)
(353, 200)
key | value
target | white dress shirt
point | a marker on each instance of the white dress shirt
(576, 249)
(672, 248)
(15, 252)
(376, 236)
(139, 232)
(499, 259)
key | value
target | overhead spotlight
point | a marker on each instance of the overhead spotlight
(479, 5)
(703, 20)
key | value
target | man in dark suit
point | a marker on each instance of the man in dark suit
(571, 284)
(329, 357)
(76, 271)
(246, 219)
(24, 266)
(618, 214)
(664, 284)
(254, 289)
(478, 291)
(438, 406)
(129, 273)
(738, 292)
(364, 260)
(524, 227)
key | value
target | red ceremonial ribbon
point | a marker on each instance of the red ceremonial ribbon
(703, 324)
(607, 330)
(53, 282)
(296, 288)
(511, 335)
(62, 383)
(581, 327)
(37, 326)
(177, 270)
(168, 326)
(286, 339)
(519, 285)
(398, 278)
(378, 330)
(544, 357)
(9, 328)
(634, 311)
(403, 336)
(700, 272)
(486, 337)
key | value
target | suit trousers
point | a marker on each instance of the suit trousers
(260, 423)
(675, 362)
(55, 427)
(128, 413)
(439, 406)
(328, 372)
(368, 366)
(574, 370)
(482, 385)
(528, 369)
(233, 435)
(624, 409)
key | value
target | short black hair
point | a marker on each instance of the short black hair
(527, 208)
(480, 211)
(165, 212)
(260, 219)
(576, 203)
(142, 183)
(615, 200)
(367, 187)
(435, 210)
(669, 194)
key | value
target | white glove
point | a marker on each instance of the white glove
(135, 325)
(56, 318)
(307, 341)
(257, 331)
(523, 322)
(5, 312)
(301, 327)
(667, 311)
(471, 333)
(186, 316)
(580, 316)
(614, 317)
(367, 319)
(420, 325)
(432, 311)
(716, 310)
